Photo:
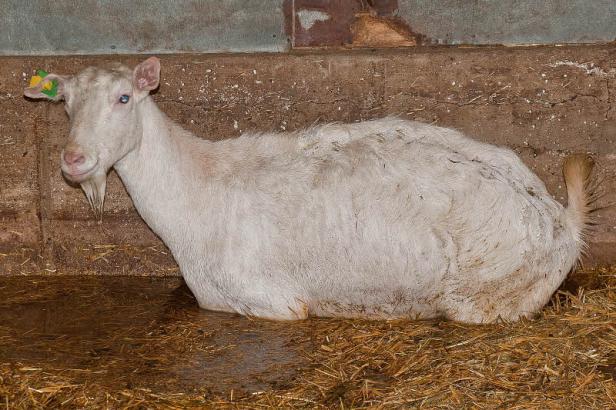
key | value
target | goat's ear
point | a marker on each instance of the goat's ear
(147, 75)
(51, 87)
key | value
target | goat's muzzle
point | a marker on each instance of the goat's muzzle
(76, 164)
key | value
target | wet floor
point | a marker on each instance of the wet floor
(137, 332)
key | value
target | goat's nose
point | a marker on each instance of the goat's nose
(72, 157)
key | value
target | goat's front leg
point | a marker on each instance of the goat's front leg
(271, 304)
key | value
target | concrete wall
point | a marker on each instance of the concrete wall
(542, 102)
(44, 27)
(511, 21)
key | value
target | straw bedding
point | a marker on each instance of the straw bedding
(566, 358)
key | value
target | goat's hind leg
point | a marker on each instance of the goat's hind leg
(521, 295)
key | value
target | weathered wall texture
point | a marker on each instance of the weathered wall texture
(45, 27)
(314, 23)
(542, 102)
(511, 21)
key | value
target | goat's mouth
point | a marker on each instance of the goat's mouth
(78, 175)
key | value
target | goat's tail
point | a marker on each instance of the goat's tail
(576, 170)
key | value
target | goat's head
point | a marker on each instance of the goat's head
(103, 108)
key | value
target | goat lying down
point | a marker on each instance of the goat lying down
(380, 219)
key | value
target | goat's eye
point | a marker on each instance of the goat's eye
(124, 98)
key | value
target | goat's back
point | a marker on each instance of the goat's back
(383, 217)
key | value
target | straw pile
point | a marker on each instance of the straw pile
(566, 358)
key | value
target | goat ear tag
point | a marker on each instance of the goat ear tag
(49, 88)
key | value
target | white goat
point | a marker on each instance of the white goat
(380, 219)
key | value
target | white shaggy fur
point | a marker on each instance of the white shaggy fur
(379, 219)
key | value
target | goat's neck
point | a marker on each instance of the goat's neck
(156, 173)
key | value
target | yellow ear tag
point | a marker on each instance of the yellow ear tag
(49, 88)
(35, 80)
